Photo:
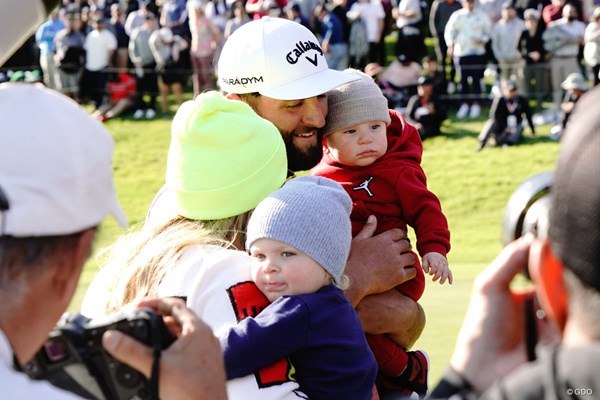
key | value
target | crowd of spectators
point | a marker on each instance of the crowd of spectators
(170, 45)
(122, 55)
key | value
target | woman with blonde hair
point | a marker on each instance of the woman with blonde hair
(223, 160)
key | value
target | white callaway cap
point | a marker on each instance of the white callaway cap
(55, 165)
(277, 58)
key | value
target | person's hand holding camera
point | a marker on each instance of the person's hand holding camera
(493, 332)
(191, 368)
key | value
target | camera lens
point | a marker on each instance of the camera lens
(56, 350)
(128, 377)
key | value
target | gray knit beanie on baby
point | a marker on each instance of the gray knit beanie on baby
(354, 103)
(310, 213)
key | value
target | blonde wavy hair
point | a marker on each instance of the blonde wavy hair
(144, 255)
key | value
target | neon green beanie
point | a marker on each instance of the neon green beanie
(223, 159)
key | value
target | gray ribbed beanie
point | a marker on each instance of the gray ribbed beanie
(310, 213)
(354, 103)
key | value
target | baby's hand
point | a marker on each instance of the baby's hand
(437, 265)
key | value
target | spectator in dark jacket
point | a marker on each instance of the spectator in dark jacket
(70, 56)
(506, 118)
(333, 39)
(425, 110)
(438, 18)
(117, 27)
(531, 48)
(437, 75)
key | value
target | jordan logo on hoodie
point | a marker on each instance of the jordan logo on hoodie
(365, 186)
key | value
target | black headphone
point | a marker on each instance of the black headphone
(4, 205)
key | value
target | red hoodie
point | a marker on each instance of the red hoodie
(394, 189)
(121, 89)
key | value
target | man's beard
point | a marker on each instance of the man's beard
(302, 159)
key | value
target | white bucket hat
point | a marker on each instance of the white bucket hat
(55, 164)
(166, 35)
(277, 58)
(574, 81)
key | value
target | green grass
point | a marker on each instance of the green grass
(473, 189)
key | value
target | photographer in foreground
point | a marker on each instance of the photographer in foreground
(565, 268)
(55, 188)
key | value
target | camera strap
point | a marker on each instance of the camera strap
(531, 334)
(155, 374)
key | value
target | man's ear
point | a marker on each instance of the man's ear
(233, 96)
(67, 273)
(546, 271)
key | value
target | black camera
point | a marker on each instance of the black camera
(73, 358)
(527, 211)
(527, 208)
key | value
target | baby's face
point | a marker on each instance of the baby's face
(359, 145)
(279, 269)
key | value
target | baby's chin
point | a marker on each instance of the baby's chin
(365, 161)
(272, 297)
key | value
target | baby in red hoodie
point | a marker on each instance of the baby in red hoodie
(376, 156)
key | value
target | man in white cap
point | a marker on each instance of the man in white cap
(56, 187)
(278, 67)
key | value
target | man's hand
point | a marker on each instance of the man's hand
(491, 342)
(191, 368)
(535, 55)
(378, 263)
(567, 107)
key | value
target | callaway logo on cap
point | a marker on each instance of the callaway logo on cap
(277, 58)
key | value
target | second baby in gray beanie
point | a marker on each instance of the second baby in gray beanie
(299, 240)
(311, 214)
